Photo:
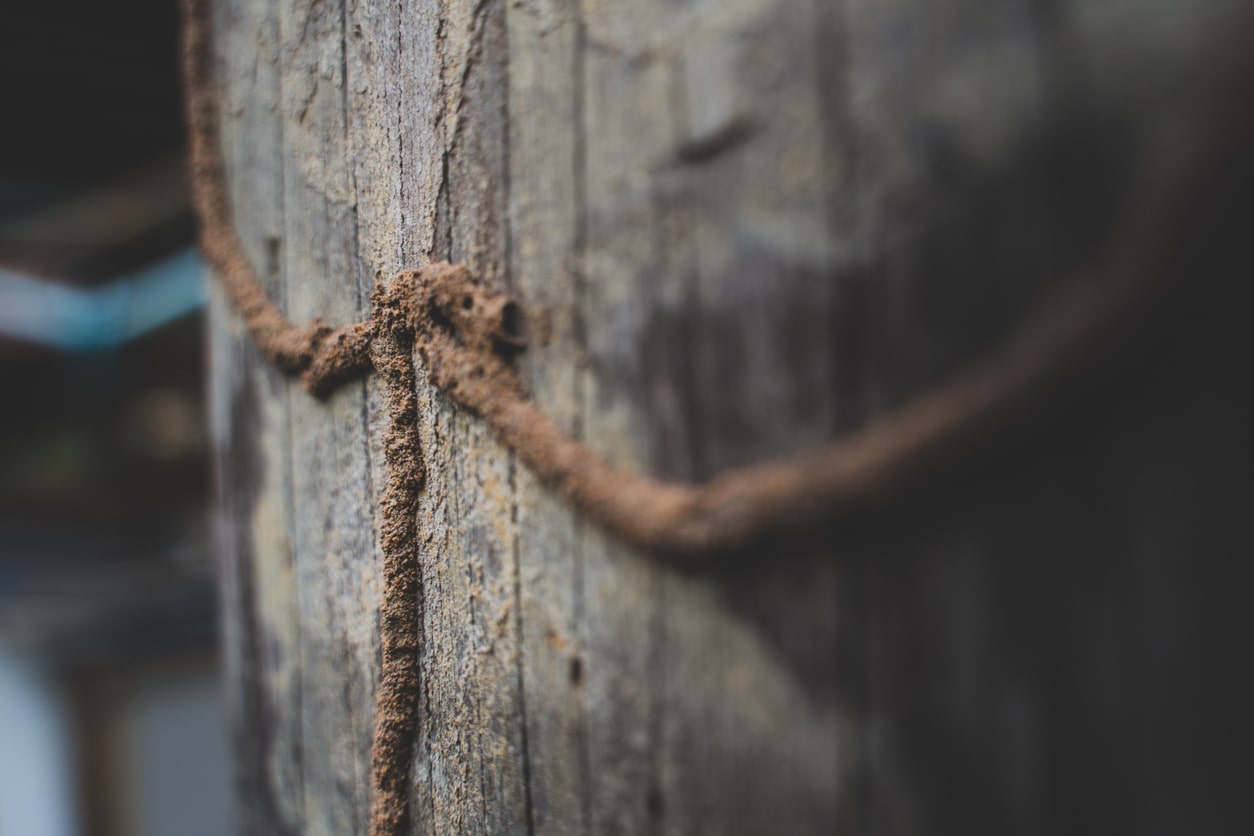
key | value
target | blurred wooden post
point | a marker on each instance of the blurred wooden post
(745, 226)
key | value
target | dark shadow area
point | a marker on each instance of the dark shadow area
(1044, 632)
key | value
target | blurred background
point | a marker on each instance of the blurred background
(111, 716)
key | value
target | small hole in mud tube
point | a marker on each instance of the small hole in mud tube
(467, 302)
(513, 324)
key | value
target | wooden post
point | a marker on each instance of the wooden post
(741, 227)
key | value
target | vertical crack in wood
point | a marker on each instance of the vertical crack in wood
(579, 247)
(515, 558)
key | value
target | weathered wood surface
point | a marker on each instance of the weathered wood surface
(744, 226)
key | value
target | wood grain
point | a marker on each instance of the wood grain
(740, 227)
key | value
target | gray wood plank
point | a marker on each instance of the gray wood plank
(545, 146)
(947, 96)
(397, 71)
(249, 412)
(626, 130)
(478, 186)
(999, 141)
(750, 725)
(332, 490)
(476, 727)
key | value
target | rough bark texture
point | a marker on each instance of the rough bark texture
(746, 225)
